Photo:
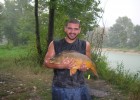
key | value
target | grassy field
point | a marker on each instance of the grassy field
(22, 78)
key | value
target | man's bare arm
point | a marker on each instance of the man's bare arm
(88, 53)
(88, 49)
(66, 64)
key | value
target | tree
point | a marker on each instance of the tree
(1, 20)
(113, 36)
(51, 21)
(20, 29)
(1, 8)
(37, 29)
(13, 28)
(10, 22)
(134, 40)
(26, 22)
(87, 11)
(119, 33)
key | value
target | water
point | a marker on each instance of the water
(131, 61)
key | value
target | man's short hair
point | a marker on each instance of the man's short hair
(75, 21)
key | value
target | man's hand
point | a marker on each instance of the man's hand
(68, 62)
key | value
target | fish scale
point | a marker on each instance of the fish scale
(78, 58)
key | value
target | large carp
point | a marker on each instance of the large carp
(78, 58)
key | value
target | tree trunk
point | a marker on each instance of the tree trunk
(51, 21)
(37, 29)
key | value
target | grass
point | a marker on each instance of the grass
(12, 52)
(21, 77)
(123, 80)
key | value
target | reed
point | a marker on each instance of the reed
(124, 80)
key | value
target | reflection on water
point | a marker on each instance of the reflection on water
(130, 61)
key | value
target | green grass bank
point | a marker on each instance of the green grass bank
(21, 76)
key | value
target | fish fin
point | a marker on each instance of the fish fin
(72, 71)
(92, 68)
(94, 71)
(77, 64)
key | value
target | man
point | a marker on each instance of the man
(64, 86)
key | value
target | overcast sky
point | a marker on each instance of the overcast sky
(1, 1)
(119, 8)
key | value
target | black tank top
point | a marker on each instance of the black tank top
(62, 77)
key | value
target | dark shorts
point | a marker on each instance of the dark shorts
(70, 93)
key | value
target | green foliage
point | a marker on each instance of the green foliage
(120, 32)
(22, 75)
(135, 37)
(121, 78)
(22, 61)
(127, 82)
(1, 20)
(17, 28)
(25, 26)
(87, 11)
(101, 65)
(123, 34)
(12, 52)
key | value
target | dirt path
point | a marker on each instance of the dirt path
(12, 88)
(102, 90)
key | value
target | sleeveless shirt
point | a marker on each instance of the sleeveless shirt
(62, 77)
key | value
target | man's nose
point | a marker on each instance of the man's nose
(72, 30)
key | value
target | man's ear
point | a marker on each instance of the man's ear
(79, 30)
(65, 29)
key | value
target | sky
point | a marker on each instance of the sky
(1, 1)
(120, 8)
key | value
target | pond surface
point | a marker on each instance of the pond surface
(130, 61)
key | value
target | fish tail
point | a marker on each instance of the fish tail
(93, 69)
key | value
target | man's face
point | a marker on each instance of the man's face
(72, 30)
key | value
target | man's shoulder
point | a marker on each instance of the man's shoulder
(58, 40)
(82, 41)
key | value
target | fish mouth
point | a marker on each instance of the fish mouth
(51, 61)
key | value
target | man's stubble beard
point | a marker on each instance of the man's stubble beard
(72, 38)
